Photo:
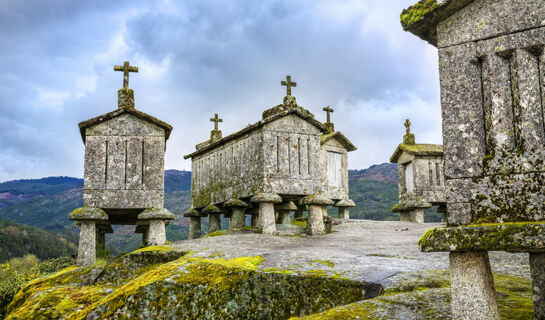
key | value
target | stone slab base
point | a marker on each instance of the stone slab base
(512, 237)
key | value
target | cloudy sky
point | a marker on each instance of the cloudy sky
(199, 57)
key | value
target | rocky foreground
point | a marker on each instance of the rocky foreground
(363, 270)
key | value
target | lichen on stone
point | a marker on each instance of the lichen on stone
(416, 12)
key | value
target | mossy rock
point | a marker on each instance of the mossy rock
(425, 295)
(184, 288)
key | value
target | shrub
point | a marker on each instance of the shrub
(19, 271)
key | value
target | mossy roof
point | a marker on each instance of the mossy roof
(116, 113)
(422, 18)
(417, 150)
(303, 115)
(340, 137)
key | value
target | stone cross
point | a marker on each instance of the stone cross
(328, 110)
(408, 126)
(216, 119)
(126, 68)
(288, 84)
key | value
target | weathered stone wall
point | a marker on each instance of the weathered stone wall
(333, 192)
(492, 73)
(233, 170)
(489, 18)
(428, 175)
(281, 157)
(291, 151)
(124, 164)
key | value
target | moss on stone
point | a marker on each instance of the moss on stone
(416, 12)
(509, 236)
(425, 295)
(154, 248)
(324, 262)
(299, 222)
(217, 233)
(186, 288)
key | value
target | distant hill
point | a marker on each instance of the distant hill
(18, 240)
(45, 203)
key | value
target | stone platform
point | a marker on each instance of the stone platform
(363, 250)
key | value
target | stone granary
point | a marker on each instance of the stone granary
(123, 175)
(270, 166)
(491, 66)
(421, 178)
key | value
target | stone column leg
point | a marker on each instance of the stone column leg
(87, 243)
(344, 213)
(315, 220)
(214, 222)
(100, 240)
(299, 214)
(405, 216)
(157, 233)
(419, 215)
(145, 237)
(472, 283)
(267, 222)
(324, 211)
(284, 217)
(537, 270)
(255, 220)
(194, 228)
(238, 218)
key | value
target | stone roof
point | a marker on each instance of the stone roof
(300, 112)
(422, 18)
(417, 149)
(340, 137)
(116, 113)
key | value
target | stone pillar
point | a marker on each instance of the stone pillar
(194, 228)
(101, 230)
(142, 227)
(299, 213)
(194, 223)
(284, 210)
(214, 222)
(156, 218)
(324, 211)
(419, 215)
(472, 283)
(344, 206)
(100, 239)
(214, 217)
(344, 213)
(266, 201)
(87, 219)
(537, 270)
(255, 220)
(87, 243)
(405, 216)
(157, 233)
(267, 217)
(238, 218)
(315, 220)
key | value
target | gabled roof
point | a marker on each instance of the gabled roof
(110, 115)
(300, 113)
(340, 137)
(422, 18)
(417, 149)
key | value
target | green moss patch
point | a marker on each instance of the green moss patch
(416, 12)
